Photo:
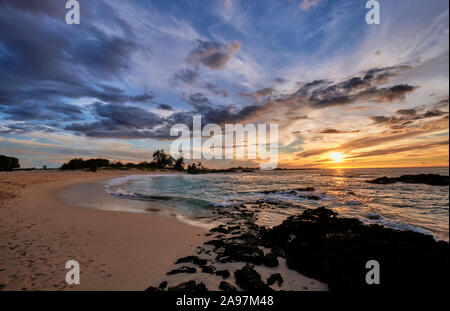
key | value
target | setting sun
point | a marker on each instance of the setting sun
(337, 156)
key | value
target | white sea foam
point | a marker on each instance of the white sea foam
(380, 220)
(411, 207)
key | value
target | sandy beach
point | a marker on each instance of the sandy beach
(116, 250)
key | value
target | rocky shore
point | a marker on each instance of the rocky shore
(429, 179)
(317, 244)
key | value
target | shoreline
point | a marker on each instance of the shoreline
(48, 218)
(40, 233)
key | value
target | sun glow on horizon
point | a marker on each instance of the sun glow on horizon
(337, 157)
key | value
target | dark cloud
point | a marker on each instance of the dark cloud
(42, 7)
(216, 90)
(224, 114)
(44, 111)
(280, 80)
(407, 117)
(330, 130)
(356, 83)
(165, 107)
(260, 93)
(119, 121)
(306, 88)
(304, 117)
(406, 112)
(190, 76)
(23, 128)
(124, 121)
(186, 75)
(211, 54)
(43, 60)
(433, 113)
(321, 94)
(382, 75)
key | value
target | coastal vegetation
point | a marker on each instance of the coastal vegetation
(8, 163)
(161, 160)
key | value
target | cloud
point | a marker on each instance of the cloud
(35, 77)
(407, 117)
(330, 130)
(280, 80)
(190, 76)
(406, 112)
(319, 94)
(305, 5)
(212, 54)
(443, 103)
(216, 90)
(129, 122)
(260, 93)
(225, 113)
(119, 121)
(186, 75)
(398, 149)
(44, 111)
(375, 140)
(165, 107)
(304, 117)
(43, 7)
(24, 128)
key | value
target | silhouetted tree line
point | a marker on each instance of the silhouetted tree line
(8, 163)
(161, 160)
(196, 168)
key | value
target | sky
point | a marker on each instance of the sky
(343, 93)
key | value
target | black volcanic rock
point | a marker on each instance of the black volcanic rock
(227, 287)
(208, 269)
(270, 260)
(276, 277)
(241, 252)
(184, 269)
(215, 243)
(163, 285)
(192, 259)
(223, 273)
(189, 287)
(248, 279)
(153, 289)
(334, 250)
(220, 229)
(429, 179)
(239, 248)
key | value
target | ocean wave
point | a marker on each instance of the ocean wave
(121, 180)
(372, 218)
(195, 195)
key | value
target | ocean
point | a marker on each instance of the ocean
(275, 195)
